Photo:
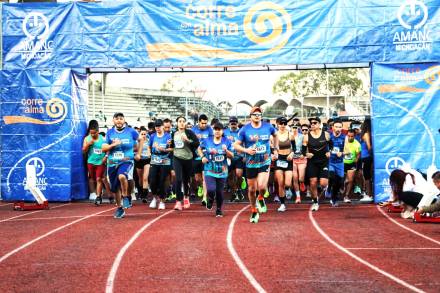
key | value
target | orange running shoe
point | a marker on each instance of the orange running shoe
(186, 203)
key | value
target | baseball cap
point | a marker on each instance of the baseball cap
(218, 125)
(118, 114)
(158, 122)
(256, 109)
(282, 120)
(315, 118)
(233, 119)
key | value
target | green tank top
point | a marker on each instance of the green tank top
(95, 154)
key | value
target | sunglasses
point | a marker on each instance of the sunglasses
(282, 123)
(233, 123)
(304, 130)
(257, 114)
(314, 122)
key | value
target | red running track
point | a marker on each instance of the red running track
(187, 251)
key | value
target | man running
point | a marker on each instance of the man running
(336, 166)
(254, 141)
(352, 153)
(120, 143)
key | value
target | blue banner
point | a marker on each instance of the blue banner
(43, 124)
(405, 111)
(167, 33)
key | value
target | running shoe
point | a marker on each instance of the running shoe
(357, 190)
(204, 203)
(347, 199)
(366, 198)
(119, 213)
(172, 195)
(111, 200)
(282, 208)
(161, 206)
(266, 194)
(144, 200)
(302, 187)
(308, 194)
(219, 213)
(178, 206)
(200, 191)
(261, 205)
(315, 207)
(209, 204)
(186, 203)
(153, 203)
(276, 199)
(289, 194)
(334, 203)
(126, 203)
(243, 183)
(98, 201)
(298, 199)
(129, 201)
(254, 217)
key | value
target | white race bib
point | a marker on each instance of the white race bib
(97, 151)
(282, 164)
(179, 144)
(118, 155)
(348, 157)
(261, 149)
(228, 161)
(145, 153)
(219, 158)
(297, 155)
(335, 150)
(156, 160)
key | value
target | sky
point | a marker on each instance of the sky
(219, 86)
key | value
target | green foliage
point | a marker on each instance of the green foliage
(313, 82)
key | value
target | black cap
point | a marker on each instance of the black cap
(218, 125)
(158, 122)
(233, 119)
(282, 120)
(118, 114)
(315, 118)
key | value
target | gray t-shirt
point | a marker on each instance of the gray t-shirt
(181, 148)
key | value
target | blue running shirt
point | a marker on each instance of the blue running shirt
(338, 146)
(145, 154)
(217, 165)
(202, 135)
(260, 139)
(158, 157)
(233, 136)
(124, 151)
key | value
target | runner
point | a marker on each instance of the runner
(352, 152)
(367, 160)
(120, 143)
(255, 138)
(160, 149)
(336, 166)
(316, 149)
(299, 161)
(96, 158)
(214, 152)
(184, 142)
(283, 165)
(235, 176)
(142, 163)
(203, 131)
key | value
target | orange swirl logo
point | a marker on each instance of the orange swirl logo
(255, 25)
(55, 109)
(432, 76)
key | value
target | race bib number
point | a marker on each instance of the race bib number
(335, 150)
(179, 144)
(118, 155)
(348, 157)
(97, 151)
(282, 164)
(228, 161)
(156, 160)
(219, 158)
(297, 155)
(261, 149)
(145, 153)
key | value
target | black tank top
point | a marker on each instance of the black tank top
(318, 147)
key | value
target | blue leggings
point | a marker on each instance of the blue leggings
(215, 187)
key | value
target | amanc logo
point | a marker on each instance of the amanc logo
(36, 45)
(412, 16)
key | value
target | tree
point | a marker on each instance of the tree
(314, 82)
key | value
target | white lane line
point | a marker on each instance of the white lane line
(6, 256)
(235, 256)
(118, 259)
(393, 248)
(5, 204)
(408, 229)
(22, 215)
(362, 261)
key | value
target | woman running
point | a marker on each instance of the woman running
(142, 163)
(299, 161)
(214, 153)
(184, 142)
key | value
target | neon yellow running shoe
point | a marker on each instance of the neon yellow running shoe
(254, 217)
(200, 191)
(266, 194)
(261, 205)
(243, 183)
